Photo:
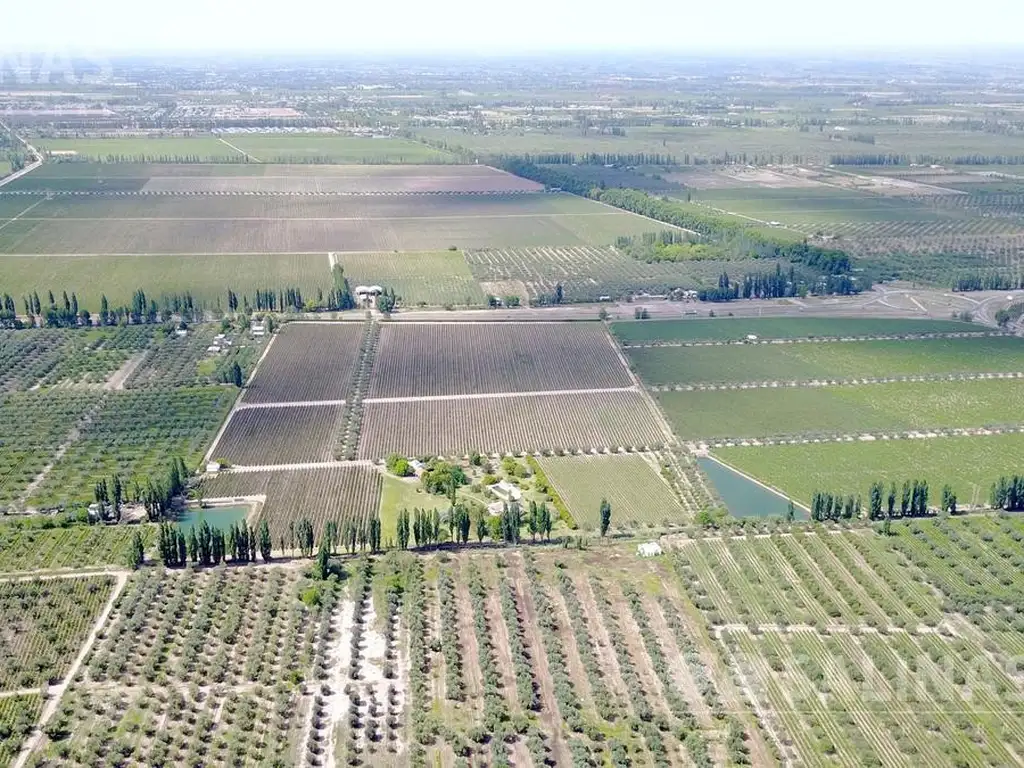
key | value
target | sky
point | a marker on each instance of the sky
(61, 27)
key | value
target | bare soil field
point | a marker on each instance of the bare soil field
(578, 421)
(274, 436)
(416, 360)
(308, 362)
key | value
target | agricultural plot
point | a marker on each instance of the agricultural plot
(45, 622)
(30, 548)
(437, 279)
(587, 272)
(308, 362)
(279, 224)
(350, 180)
(198, 149)
(334, 148)
(827, 361)
(18, 716)
(220, 683)
(639, 497)
(970, 464)
(184, 361)
(44, 356)
(573, 656)
(774, 412)
(134, 434)
(207, 277)
(446, 359)
(274, 436)
(33, 425)
(333, 494)
(453, 427)
(853, 646)
(739, 328)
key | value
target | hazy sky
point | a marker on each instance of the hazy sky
(475, 26)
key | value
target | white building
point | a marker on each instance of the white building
(649, 549)
(506, 491)
(367, 295)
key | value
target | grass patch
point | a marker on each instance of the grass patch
(404, 493)
(198, 149)
(435, 278)
(333, 148)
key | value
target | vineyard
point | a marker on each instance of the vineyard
(18, 715)
(25, 547)
(45, 622)
(436, 279)
(333, 494)
(308, 362)
(273, 436)
(444, 359)
(738, 329)
(828, 361)
(843, 410)
(631, 484)
(577, 422)
(891, 650)
(588, 272)
(969, 464)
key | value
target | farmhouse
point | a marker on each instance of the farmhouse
(367, 294)
(649, 549)
(506, 491)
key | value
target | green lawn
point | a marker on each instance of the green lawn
(826, 360)
(404, 493)
(969, 464)
(434, 278)
(738, 328)
(206, 277)
(335, 148)
(200, 149)
(845, 410)
(639, 497)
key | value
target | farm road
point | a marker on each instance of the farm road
(238, 150)
(498, 395)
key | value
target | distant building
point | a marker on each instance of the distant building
(213, 466)
(367, 295)
(417, 467)
(649, 549)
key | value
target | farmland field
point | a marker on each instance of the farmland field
(891, 631)
(334, 148)
(207, 277)
(308, 362)
(135, 434)
(580, 421)
(204, 149)
(319, 495)
(434, 279)
(970, 464)
(29, 547)
(638, 496)
(243, 634)
(18, 715)
(45, 621)
(444, 359)
(826, 360)
(589, 271)
(272, 436)
(738, 328)
(765, 412)
(156, 224)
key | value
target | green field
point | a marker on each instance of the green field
(206, 277)
(738, 328)
(638, 496)
(826, 360)
(766, 412)
(334, 148)
(969, 464)
(201, 149)
(404, 493)
(435, 278)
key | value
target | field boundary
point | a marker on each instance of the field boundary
(499, 395)
(817, 339)
(866, 437)
(811, 383)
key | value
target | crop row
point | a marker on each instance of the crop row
(276, 436)
(570, 422)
